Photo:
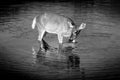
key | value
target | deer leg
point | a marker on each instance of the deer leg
(60, 38)
(40, 40)
(41, 48)
(60, 48)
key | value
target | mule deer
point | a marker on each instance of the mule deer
(56, 24)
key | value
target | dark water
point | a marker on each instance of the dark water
(98, 45)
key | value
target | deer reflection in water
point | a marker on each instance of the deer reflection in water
(73, 61)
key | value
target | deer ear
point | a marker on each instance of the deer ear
(82, 26)
(70, 24)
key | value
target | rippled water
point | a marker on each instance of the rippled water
(98, 45)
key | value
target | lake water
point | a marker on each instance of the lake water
(98, 44)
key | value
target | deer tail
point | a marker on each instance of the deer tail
(34, 23)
